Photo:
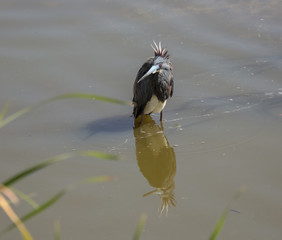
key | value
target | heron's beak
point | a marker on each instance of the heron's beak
(152, 70)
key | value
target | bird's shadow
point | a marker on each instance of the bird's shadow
(113, 124)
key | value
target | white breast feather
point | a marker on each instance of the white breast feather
(154, 105)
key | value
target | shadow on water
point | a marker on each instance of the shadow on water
(156, 160)
(114, 124)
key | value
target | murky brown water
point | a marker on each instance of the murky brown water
(222, 128)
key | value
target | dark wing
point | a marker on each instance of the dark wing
(142, 91)
(163, 86)
(171, 87)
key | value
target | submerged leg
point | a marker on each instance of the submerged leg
(161, 116)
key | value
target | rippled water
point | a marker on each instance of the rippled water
(222, 128)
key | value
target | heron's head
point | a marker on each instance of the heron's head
(161, 61)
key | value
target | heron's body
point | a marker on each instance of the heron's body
(154, 84)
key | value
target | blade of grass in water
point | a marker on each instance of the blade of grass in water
(56, 159)
(224, 214)
(89, 96)
(96, 154)
(5, 121)
(25, 198)
(57, 232)
(219, 225)
(4, 111)
(36, 167)
(54, 199)
(140, 226)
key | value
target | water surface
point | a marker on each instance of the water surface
(221, 130)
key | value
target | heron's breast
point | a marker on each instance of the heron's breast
(154, 105)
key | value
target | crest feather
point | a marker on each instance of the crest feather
(159, 51)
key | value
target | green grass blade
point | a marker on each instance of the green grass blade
(219, 225)
(4, 111)
(91, 97)
(56, 159)
(14, 116)
(45, 205)
(224, 214)
(57, 231)
(35, 168)
(25, 198)
(101, 155)
(140, 227)
(23, 111)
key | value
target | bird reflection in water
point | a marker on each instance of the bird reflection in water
(156, 160)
